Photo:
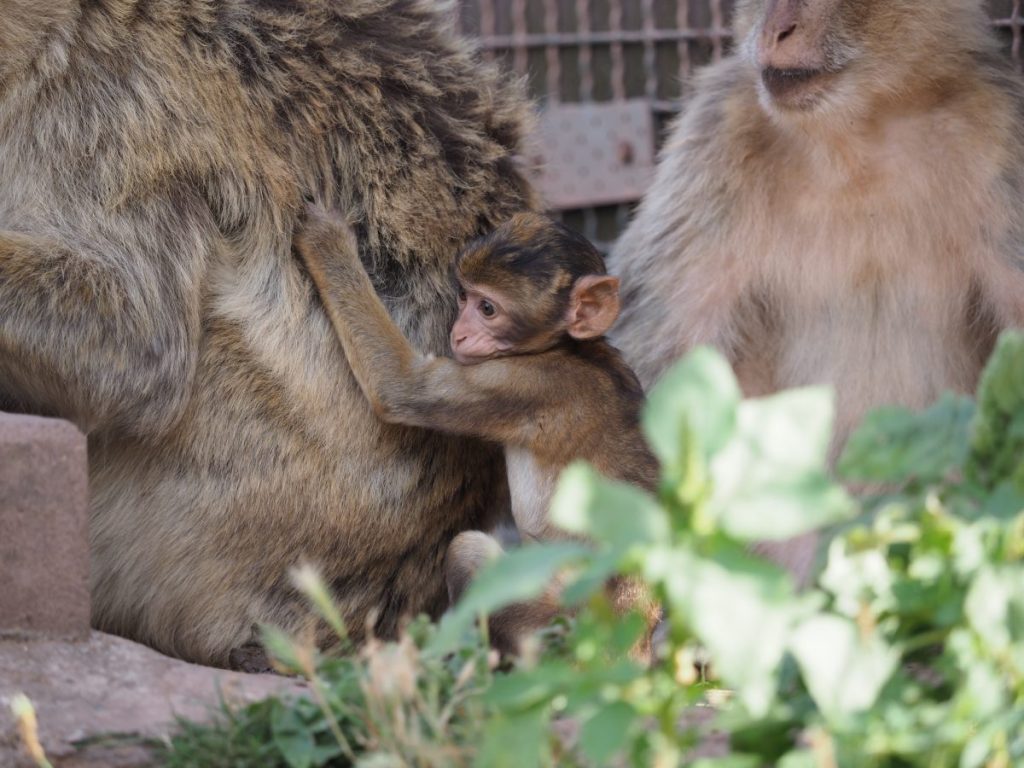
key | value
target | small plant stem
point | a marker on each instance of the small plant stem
(316, 687)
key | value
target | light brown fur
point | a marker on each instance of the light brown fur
(874, 242)
(153, 159)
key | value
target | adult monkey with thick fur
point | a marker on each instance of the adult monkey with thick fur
(154, 155)
(841, 202)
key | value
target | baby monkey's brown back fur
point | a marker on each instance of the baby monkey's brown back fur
(153, 158)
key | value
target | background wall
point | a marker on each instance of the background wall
(609, 75)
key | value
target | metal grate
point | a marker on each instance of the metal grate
(609, 74)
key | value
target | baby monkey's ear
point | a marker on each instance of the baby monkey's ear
(593, 306)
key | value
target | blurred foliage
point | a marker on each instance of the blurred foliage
(907, 652)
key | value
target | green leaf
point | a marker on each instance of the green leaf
(798, 759)
(606, 732)
(997, 432)
(843, 671)
(514, 741)
(610, 512)
(895, 445)
(526, 689)
(292, 737)
(380, 760)
(770, 480)
(733, 761)
(995, 606)
(514, 577)
(740, 607)
(1005, 502)
(858, 579)
(694, 401)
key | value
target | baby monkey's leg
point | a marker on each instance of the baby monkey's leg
(509, 627)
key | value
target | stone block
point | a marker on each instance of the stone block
(44, 538)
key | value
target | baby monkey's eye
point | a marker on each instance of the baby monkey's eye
(486, 308)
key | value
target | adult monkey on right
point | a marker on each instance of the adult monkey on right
(841, 202)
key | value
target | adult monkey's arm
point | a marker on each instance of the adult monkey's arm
(101, 327)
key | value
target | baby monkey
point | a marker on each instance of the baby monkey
(531, 370)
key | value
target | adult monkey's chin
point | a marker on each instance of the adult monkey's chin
(796, 89)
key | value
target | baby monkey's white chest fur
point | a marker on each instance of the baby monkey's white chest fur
(531, 486)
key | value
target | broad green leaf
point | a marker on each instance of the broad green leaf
(606, 732)
(857, 579)
(741, 608)
(733, 761)
(695, 401)
(770, 481)
(798, 759)
(515, 576)
(843, 671)
(997, 431)
(995, 606)
(770, 736)
(610, 512)
(515, 741)
(528, 688)
(897, 445)
(1005, 502)
(1002, 734)
(983, 688)
(292, 737)
(380, 760)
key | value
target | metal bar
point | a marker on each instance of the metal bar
(583, 52)
(1015, 23)
(488, 27)
(618, 75)
(539, 40)
(683, 46)
(603, 38)
(518, 33)
(667, 106)
(553, 65)
(716, 23)
(621, 217)
(590, 224)
(1018, 32)
(648, 35)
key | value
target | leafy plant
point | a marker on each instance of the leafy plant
(908, 651)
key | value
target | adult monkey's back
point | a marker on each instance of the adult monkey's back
(840, 202)
(153, 158)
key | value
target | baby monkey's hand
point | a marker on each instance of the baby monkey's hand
(323, 230)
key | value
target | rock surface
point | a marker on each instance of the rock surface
(85, 691)
(44, 540)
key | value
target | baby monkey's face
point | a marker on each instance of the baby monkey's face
(484, 328)
(525, 287)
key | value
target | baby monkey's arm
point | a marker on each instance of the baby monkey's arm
(403, 385)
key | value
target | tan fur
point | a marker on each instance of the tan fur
(567, 400)
(153, 159)
(874, 242)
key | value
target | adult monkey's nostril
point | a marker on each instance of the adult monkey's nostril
(785, 33)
